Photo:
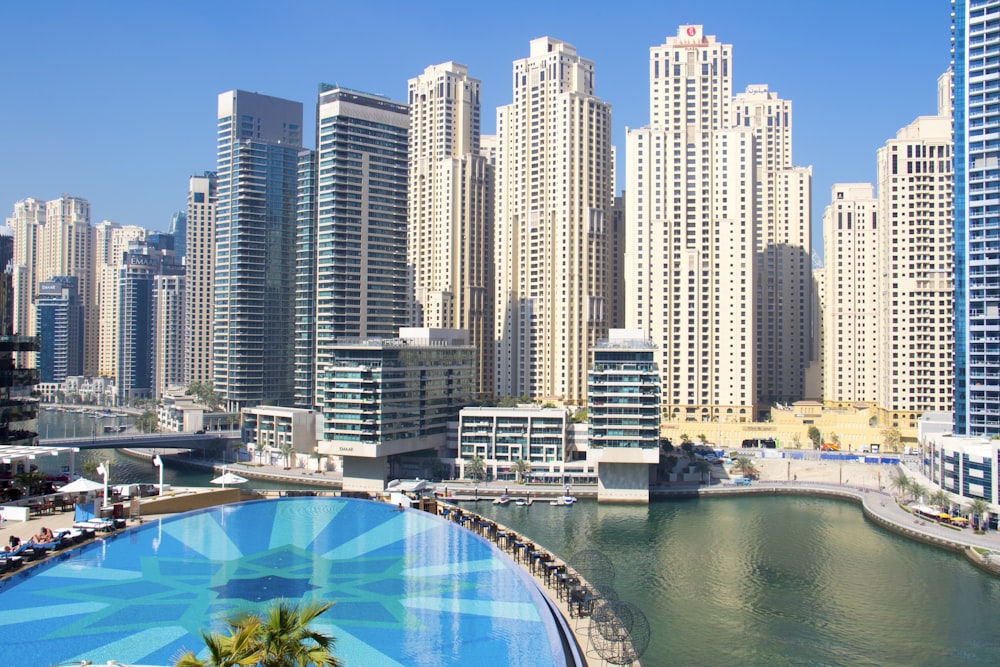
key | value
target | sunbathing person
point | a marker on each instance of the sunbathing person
(44, 537)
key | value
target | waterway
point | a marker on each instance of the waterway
(777, 581)
(125, 469)
(740, 581)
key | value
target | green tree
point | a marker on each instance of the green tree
(147, 422)
(917, 490)
(703, 468)
(319, 456)
(834, 438)
(814, 436)
(521, 468)
(702, 439)
(259, 448)
(280, 637)
(941, 499)
(475, 468)
(579, 417)
(797, 440)
(978, 508)
(746, 466)
(89, 468)
(287, 450)
(891, 438)
(898, 481)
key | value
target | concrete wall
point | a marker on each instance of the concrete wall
(623, 483)
(364, 474)
(186, 501)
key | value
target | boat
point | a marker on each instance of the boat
(502, 500)
(563, 501)
(525, 502)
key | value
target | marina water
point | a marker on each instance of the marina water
(764, 580)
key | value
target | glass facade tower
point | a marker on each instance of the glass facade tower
(259, 140)
(975, 48)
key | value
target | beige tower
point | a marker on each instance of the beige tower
(553, 210)
(450, 222)
(782, 303)
(66, 248)
(690, 233)
(850, 314)
(111, 242)
(199, 266)
(26, 224)
(915, 254)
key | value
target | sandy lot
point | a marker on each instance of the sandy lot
(830, 472)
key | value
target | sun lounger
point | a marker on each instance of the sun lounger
(9, 564)
(106, 525)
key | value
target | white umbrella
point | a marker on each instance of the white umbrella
(228, 478)
(81, 485)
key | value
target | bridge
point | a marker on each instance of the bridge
(143, 440)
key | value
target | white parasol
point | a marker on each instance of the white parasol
(81, 485)
(228, 478)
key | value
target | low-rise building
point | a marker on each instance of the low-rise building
(280, 436)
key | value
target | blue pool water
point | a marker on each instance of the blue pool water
(410, 588)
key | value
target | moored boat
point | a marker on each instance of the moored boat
(563, 501)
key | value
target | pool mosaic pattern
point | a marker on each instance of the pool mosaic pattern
(409, 588)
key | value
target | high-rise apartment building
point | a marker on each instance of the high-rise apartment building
(554, 193)
(178, 229)
(136, 339)
(66, 248)
(259, 139)
(850, 350)
(168, 327)
(450, 225)
(25, 224)
(305, 283)
(916, 266)
(361, 286)
(782, 206)
(111, 243)
(60, 329)
(199, 264)
(976, 27)
(691, 238)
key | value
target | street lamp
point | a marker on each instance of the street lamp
(158, 462)
(104, 471)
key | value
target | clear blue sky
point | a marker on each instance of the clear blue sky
(115, 101)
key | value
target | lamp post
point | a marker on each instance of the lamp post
(104, 471)
(158, 462)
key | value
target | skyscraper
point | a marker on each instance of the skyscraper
(450, 234)
(136, 339)
(199, 266)
(361, 288)
(168, 328)
(782, 268)
(60, 329)
(259, 141)
(914, 250)
(305, 283)
(691, 213)
(554, 193)
(111, 243)
(976, 24)
(66, 248)
(850, 314)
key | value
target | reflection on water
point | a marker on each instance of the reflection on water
(777, 581)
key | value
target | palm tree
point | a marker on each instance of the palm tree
(917, 490)
(899, 482)
(704, 468)
(891, 438)
(941, 499)
(319, 456)
(286, 450)
(745, 465)
(702, 439)
(978, 508)
(521, 468)
(475, 468)
(259, 448)
(814, 436)
(280, 637)
(147, 422)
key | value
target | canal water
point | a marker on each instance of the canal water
(777, 581)
(763, 580)
(124, 469)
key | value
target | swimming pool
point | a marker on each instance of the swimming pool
(410, 588)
